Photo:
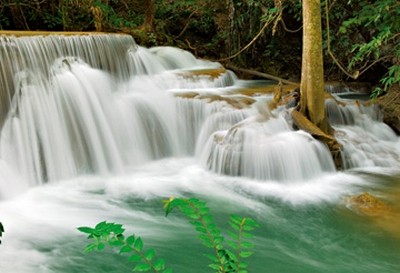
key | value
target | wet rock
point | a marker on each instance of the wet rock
(212, 73)
(368, 204)
(390, 105)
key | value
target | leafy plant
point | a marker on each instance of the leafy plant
(112, 234)
(392, 77)
(224, 260)
(1, 230)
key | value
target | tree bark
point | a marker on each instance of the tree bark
(149, 15)
(312, 103)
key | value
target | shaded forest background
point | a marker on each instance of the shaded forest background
(361, 39)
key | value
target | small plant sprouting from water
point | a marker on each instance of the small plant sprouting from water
(224, 260)
(1, 230)
(112, 234)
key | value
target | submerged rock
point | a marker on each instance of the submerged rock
(368, 204)
(382, 214)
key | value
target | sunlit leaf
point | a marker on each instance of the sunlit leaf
(90, 247)
(142, 267)
(130, 240)
(149, 255)
(159, 264)
(135, 257)
(138, 245)
(86, 230)
(125, 249)
(245, 254)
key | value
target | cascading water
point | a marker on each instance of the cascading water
(366, 140)
(119, 127)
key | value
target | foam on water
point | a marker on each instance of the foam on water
(86, 137)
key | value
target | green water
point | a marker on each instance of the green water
(304, 227)
(292, 238)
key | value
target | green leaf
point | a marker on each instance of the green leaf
(251, 222)
(117, 229)
(100, 246)
(233, 235)
(168, 205)
(86, 230)
(150, 254)
(190, 212)
(135, 258)
(218, 240)
(130, 240)
(201, 229)
(234, 226)
(90, 247)
(243, 265)
(246, 245)
(211, 258)
(102, 225)
(247, 235)
(245, 254)
(138, 245)
(142, 267)
(233, 245)
(115, 243)
(168, 270)
(214, 266)
(236, 219)
(125, 249)
(208, 219)
(159, 264)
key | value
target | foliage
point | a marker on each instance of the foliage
(224, 259)
(391, 78)
(1, 230)
(112, 234)
(382, 43)
(364, 35)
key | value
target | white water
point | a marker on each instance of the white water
(97, 120)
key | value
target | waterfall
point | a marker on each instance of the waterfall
(94, 104)
(102, 104)
(366, 140)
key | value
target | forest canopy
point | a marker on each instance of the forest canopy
(361, 38)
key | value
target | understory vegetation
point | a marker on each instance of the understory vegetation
(228, 255)
(361, 38)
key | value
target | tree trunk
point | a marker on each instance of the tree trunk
(312, 74)
(149, 15)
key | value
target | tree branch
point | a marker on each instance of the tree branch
(249, 44)
(260, 74)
